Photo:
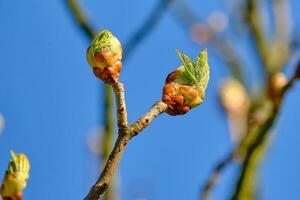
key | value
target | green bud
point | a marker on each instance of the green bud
(188, 83)
(16, 176)
(104, 55)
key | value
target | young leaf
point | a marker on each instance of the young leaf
(189, 69)
(202, 69)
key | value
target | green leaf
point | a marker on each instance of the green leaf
(196, 73)
(189, 69)
(202, 68)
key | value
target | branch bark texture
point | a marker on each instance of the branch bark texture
(125, 134)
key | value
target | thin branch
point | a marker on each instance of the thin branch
(254, 18)
(107, 141)
(249, 146)
(125, 134)
(146, 28)
(80, 19)
(121, 105)
(158, 108)
(214, 177)
(250, 162)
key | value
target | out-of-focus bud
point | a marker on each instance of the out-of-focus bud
(234, 97)
(201, 33)
(278, 81)
(185, 87)
(236, 102)
(15, 179)
(217, 21)
(2, 122)
(104, 55)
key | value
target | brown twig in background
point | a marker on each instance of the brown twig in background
(214, 177)
(81, 19)
(146, 28)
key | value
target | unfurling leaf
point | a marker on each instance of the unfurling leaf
(185, 87)
(16, 176)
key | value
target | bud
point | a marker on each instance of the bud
(185, 87)
(278, 82)
(234, 98)
(15, 179)
(104, 55)
(236, 102)
(2, 123)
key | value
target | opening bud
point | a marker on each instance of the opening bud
(185, 87)
(104, 55)
(16, 176)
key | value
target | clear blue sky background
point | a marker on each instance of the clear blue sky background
(50, 101)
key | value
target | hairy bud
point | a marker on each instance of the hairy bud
(104, 55)
(185, 87)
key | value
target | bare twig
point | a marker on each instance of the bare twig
(107, 141)
(158, 108)
(125, 134)
(121, 105)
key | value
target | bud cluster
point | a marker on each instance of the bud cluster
(185, 87)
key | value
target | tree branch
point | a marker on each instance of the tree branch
(129, 46)
(250, 148)
(158, 108)
(213, 179)
(107, 140)
(80, 19)
(145, 29)
(121, 105)
(126, 133)
(253, 17)
(256, 141)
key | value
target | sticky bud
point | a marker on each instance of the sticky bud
(104, 55)
(15, 179)
(185, 87)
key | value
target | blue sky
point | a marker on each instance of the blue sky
(50, 101)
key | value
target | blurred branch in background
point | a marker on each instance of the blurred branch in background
(263, 112)
(108, 133)
(80, 18)
(2, 123)
(146, 28)
(254, 144)
(137, 37)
